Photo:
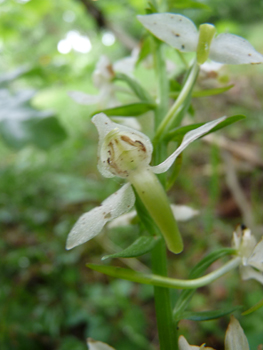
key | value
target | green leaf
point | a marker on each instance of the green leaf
(178, 133)
(141, 246)
(145, 50)
(133, 109)
(204, 93)
(254, 308)
(186, 4)
(135, 86)
(20, 124)
(208, 315)
(186, 295)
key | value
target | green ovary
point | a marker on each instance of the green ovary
(156, 202)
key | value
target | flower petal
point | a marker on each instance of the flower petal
(247, 273)
(256, 258)
(91, 223)
(183, 345)
(235, 337)
(188, 138)
(84, 99)
(176, 30)
(233, 49)
(183, 212)
(104, 126)
(97, 345)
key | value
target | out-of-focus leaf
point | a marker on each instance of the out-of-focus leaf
(133, 109)
(10, 76)
(20, 124)
(208, 315)
(135, 86)
(178, 133)
(141, 246)
(186, 4)
(253, 308)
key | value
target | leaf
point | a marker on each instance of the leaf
(208, 315)
(254, 308)
(133, 109)
(178, 133)
(186, 295)
(204, 93)
(21, 124)
(141, 246)
(135, 86)
(186, 4)
(145, 50)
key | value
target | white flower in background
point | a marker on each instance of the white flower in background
(180, 212)
(181, 33)
(235, 339)
(98, 345)
(251, 253)
(102, 80)
(126, 153)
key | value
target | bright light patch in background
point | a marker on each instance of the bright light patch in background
(22, 1)
(69, 16)
(74, 41)
(108, 39)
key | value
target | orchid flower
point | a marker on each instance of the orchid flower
(102, 80)
(181, 33)
(126, 153)
(235, 339)
(251, 254)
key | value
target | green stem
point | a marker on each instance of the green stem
(178, 104)
(163, 307)
(161, 281)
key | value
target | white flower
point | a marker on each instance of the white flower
(181, 33)
(180, 212)
(251, 253)
(102, 79)
(126, 153)
(98, 345)
(235, 339)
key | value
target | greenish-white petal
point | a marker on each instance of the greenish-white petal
(248, 272)
(233, 49)
(235, 337)
(256, 258)
(117, 145)
(98, 345)
(188, 138)
(91, 223)
(183, 345)
(176, 30)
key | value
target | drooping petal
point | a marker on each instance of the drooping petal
(256, 258)
(84, 99)
(183, 212)
(233, 49)
(98, 345)
(91, 223)
(248, 272)
(176, 30)
(188, 138)
(235, 337)
(183, 345)
(130, 137)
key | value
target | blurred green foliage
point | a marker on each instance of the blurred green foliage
(48, 299)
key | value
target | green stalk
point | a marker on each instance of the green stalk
(170, 117)
(163, 307)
